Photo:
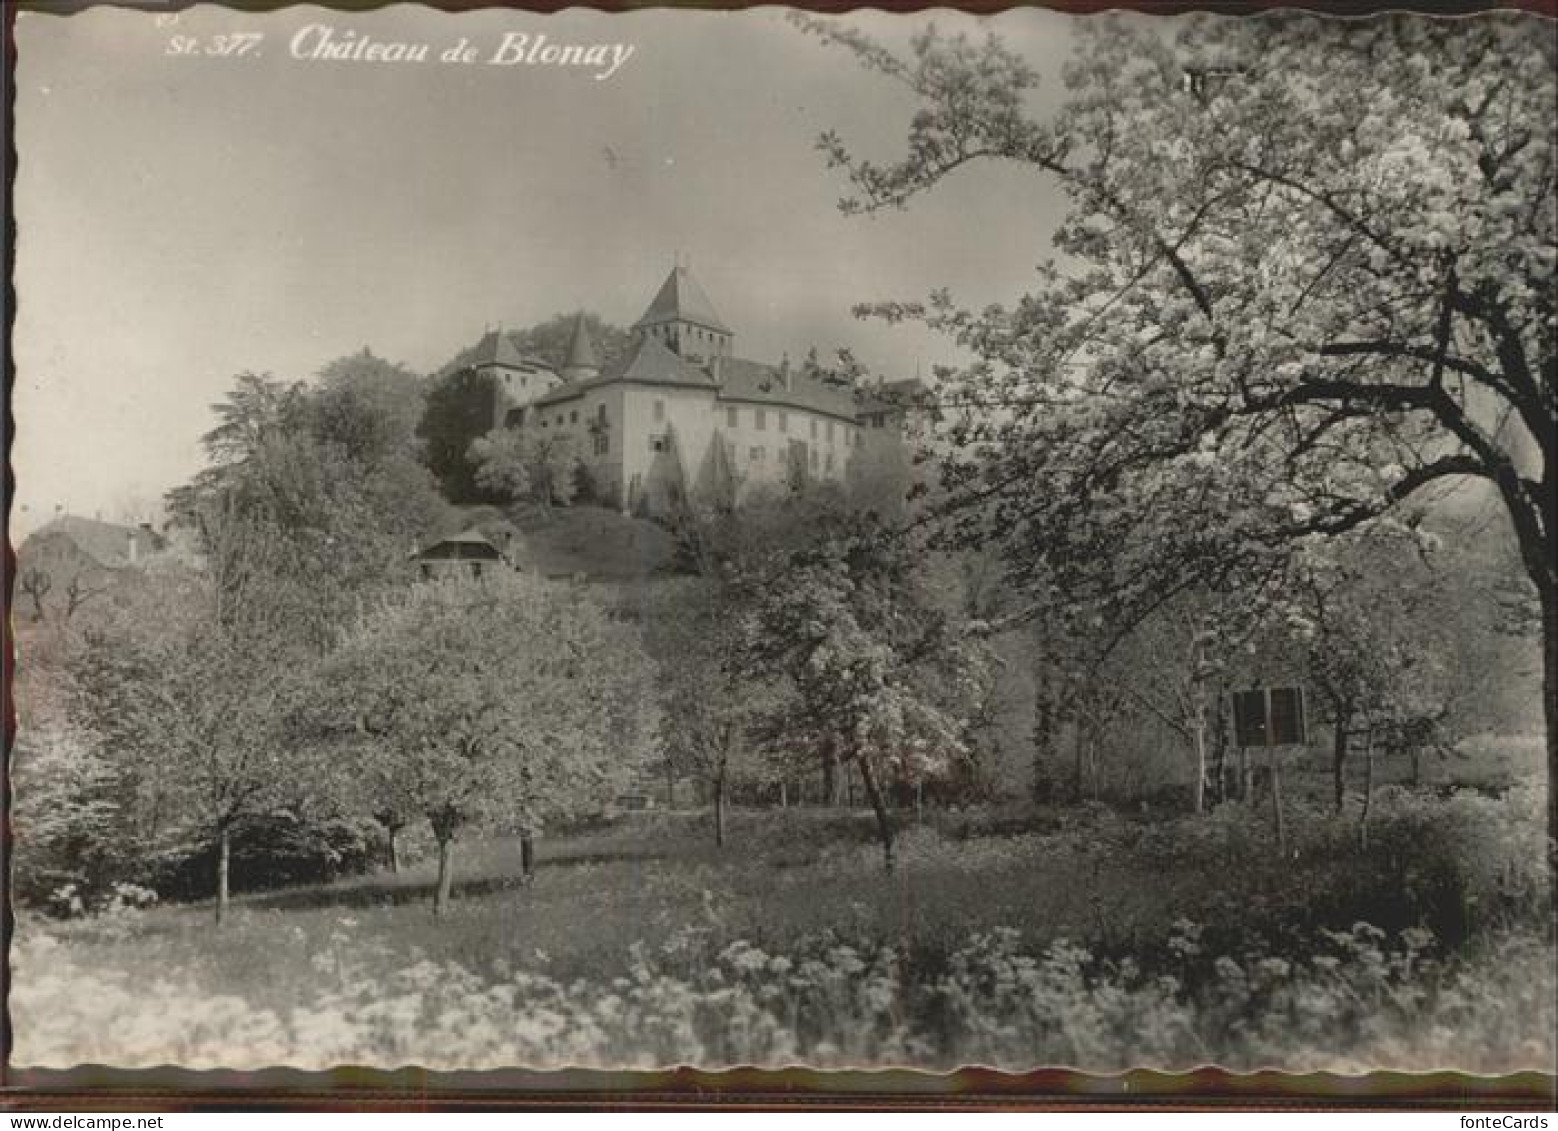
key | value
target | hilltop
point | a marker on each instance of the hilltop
(601, 544)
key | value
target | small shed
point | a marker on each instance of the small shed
(469, 553)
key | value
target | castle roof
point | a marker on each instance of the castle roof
(581, 350)
(652, 362)
(681, 299)
(893, 396)
(649, 362)
(743, 380)
(497, 348)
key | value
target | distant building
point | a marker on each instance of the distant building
(469, 553)
(85, 544)
(680, 413)
(70, 559)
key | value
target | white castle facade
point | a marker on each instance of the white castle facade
(681, 415)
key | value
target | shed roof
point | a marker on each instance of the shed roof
(467, 538)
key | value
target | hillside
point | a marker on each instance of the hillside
(599, 543)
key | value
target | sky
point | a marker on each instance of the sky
(184, 217)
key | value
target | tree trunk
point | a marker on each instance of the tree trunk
(1092, 763)
(1339, 756)
(1276, 804)
(719, 811)
(784, 795)
(1368, 789)
(832, 781)
(884, 820)
(1549, 598)
(1245, 791)
(223, 860)
(1079, 780)
(1198, 723)
(1200, 794)
(670, 785)
(392, 832)
(445, 876)
(1220, 750)
(1043, 739)
(527, 856)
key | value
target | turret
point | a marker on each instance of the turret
(581, 363)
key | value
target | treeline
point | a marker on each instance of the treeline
(294, 705)
(292, 696)
(289, 692)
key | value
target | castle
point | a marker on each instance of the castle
(681, 415)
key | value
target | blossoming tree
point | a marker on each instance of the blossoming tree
(875, 666)
(502, 702)
(1306, 276)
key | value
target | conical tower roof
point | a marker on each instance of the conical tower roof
(581, 350)
(681, 299)
(497, 348)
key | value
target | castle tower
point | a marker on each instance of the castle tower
(682, 317)
(516, 378)
(582, 363)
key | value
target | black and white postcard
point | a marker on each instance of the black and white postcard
(756, 538)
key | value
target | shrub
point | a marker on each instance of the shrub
(71, 829)
(269, 852)
(1359, 1000)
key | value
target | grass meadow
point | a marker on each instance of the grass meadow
(1012, 938)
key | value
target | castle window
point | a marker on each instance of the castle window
(573, 417)
(659, 411)
(659, 443)
(813, 429)
(760, 419)
(814, 456)
(830, 431)
(827, 463)
(732, 417)
(600, 413)
(784, 421)
(602, 443)
(757, 455)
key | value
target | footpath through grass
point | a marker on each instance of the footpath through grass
(1085, 940)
